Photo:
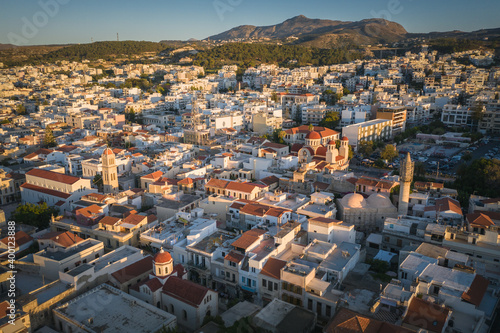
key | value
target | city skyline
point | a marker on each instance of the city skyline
(64, 21)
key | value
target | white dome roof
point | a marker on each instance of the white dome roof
(353, 200)
(378, 200)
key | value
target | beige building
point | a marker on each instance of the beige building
(263, 123)
(397, 114)
(372, 130)
(367, 215)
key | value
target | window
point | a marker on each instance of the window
(243, 279)
(328, 310)
(264, 283)
(253, 269)
(184, 314)
(310, 304)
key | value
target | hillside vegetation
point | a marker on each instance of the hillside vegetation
(246, 55)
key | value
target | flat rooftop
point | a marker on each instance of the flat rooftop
(114, 256)
(106, 309)
(318, 209)
(60, 254)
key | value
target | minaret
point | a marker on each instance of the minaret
(405, 179)
(109, 172)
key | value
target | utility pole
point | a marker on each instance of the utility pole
(437, 172)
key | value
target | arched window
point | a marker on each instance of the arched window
(184, 314)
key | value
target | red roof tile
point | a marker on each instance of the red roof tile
(133, 270)
(21, 238)
(185, 291)
(55, 176)
(44, 190)
(476, 290)
(63, 238)
(429, 316)
(273, 267)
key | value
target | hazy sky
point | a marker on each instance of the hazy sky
(31, 22)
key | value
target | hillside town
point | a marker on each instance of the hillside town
(153, 197)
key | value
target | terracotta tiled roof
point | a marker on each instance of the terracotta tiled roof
(185, 181)
(89, 211)
(154, 175)
(46, 191)
(185, 291)
(479, 220)
(429, 316)
(31, 156)
(55, 176)
(133, 270)
(109, 220)
(323, 220)
(241, 187)
(445, 204)
(134, 219)
(248, 238)
(234, 257)
(63, 238)
(348, 321)
(21, 238)
(269, 180)
(476, 290)
(154, 284)
(273, 267)
(217, 183)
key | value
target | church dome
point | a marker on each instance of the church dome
(313, 136)
(108, 151)
(162, 257)
(378, 200)
(332, 143)
(353, 200)
(345, 138)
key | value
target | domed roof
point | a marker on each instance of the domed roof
(108, 151)
(332, 143)
(313, 135)
(345, 138)
(353, 200)
(378, 200)
(162, 257)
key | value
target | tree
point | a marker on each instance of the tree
(477, 115)
(311, 127)
(365, 148)
(389, 153)
(21, 109)
(49, 140)
(97, 181)
(346, 91)
(35, 215)
(330, 121)
(419, 169)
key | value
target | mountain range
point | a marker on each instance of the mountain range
(329, 33)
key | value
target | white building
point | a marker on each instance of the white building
(56, 189)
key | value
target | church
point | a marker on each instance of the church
(326, 157)
(167, 288)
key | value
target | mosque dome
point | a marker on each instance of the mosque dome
(378, 200)
(353, 200)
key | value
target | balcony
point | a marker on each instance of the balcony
(199, 266)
